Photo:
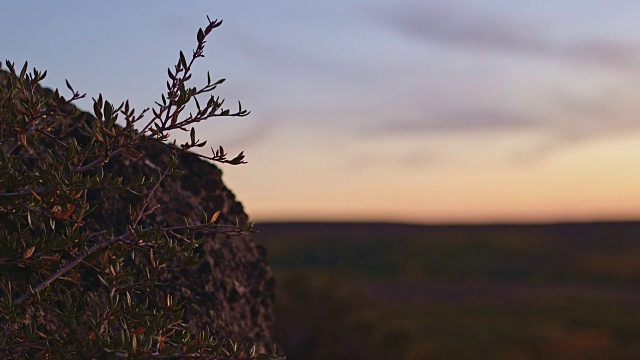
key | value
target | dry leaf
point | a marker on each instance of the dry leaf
(58, 214)
(138, 331)
(36, 195)
(65, 214)
(214, 217)
(28, 252)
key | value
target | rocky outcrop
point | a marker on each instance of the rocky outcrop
(231, 291)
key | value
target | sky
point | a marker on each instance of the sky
(409, 111)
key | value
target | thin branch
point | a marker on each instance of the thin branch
(54, 138)
(94, 164)
(148, 198)
(63, 270)
(43, 190)
(105, 244)
(50, 215)
(31, 344)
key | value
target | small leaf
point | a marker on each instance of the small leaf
(59, 214)
(183, 60)
(24, 69)
(96, 110)
(108, 112)
(138, 331)
(28, 252)
(131, 153)
(69, 85)
(214, 217)
(138, 179)
(238, 159)
(11, 67)
(154, 132)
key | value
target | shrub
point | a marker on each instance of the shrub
(71, 287)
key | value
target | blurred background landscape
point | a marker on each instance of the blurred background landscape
(368, 113)
(389, 291)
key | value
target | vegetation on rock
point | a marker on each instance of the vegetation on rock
(89, 254)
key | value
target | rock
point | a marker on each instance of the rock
(232, 290)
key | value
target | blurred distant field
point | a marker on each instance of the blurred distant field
(387, 291)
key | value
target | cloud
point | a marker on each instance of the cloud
(460, 120)
(447, 24)
(413, 158)
(606, 52)
(255, 133)
(563, 123)
(552, 91)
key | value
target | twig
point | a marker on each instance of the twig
(97, 162)
(148, 198)
(102, 245)
(63, 270)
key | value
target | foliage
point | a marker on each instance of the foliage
(67, 288)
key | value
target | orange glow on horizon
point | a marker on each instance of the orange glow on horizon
(593, 182)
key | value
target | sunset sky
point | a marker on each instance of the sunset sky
(381, 110)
